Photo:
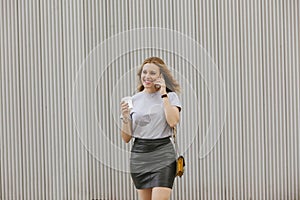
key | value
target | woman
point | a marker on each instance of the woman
(155, 112)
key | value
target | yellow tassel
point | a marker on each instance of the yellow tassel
(180, 166)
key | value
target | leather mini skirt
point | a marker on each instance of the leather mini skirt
(153, 163)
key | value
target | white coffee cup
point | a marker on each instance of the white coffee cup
(128, 100)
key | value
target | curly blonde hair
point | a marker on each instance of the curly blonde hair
(171, 84)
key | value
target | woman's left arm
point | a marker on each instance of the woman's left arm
(171, 112)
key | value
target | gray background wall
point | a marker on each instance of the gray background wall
(254, 45)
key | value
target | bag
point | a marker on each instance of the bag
(180, 163)
(180, 166)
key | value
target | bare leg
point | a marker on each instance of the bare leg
(145, 194)
(161, 193)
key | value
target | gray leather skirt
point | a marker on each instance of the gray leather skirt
(153, 163)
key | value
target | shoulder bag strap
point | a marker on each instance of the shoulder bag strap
(175, 143)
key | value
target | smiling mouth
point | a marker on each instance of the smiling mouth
(148, 82)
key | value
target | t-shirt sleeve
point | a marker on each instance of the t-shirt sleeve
(174, 100)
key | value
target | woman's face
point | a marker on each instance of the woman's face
(150, 73)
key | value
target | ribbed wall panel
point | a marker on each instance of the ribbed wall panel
(60, 94)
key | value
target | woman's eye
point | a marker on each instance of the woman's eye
(152, 73)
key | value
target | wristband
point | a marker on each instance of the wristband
(164, 95)
(125, 120)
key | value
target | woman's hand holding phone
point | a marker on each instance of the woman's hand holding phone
(160, 84)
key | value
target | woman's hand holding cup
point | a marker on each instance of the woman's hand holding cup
(126, 106)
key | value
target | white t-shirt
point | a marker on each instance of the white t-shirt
(148, 117)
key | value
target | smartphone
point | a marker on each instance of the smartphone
(157, 86)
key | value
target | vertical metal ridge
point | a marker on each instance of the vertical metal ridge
(264, 57)
(296, 78)
(260, 186)
(2, 124)
(288, 85)
(4, 174)
(282, 121)
(297, 103)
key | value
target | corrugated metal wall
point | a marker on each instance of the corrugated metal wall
(66, 64)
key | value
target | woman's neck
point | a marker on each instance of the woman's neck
(150, 90)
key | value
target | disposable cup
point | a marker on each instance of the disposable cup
(128, 100)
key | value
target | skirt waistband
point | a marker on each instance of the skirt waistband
(158, 140)
(151, 145)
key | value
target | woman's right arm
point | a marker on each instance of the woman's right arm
(126, 130)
